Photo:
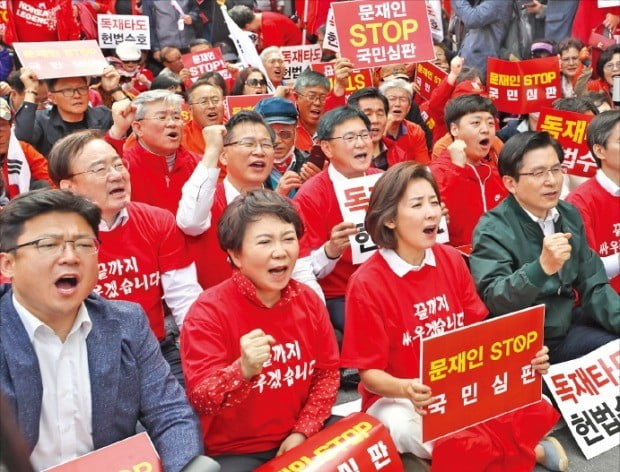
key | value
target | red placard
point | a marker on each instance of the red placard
(359, 78)
(55, 59)
(523, 86)
(569, 129)
(427, 77)
(356, 443)
(209, 60)
(375, 33)
(481, 371)
(234, 103)
(135, 453)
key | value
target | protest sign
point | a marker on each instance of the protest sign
(234, 103)
(136, 453)
(523, 86)
(4, 14)
(481, 371)
(358, 79)
(331, 36)
(588, 395)
(374, 33)
(427, 77)
(209, 60)
(298, 58)
(356, 443)
(569, 129)
(55, 59)
(353, 196)
(116, 29)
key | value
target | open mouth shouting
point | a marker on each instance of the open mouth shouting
(67, 284)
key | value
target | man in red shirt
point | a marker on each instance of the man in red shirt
(273, 29)
(143, 257)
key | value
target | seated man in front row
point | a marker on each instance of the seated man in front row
(532, 249)
(78, 371)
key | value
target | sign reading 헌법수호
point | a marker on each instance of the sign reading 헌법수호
(356, 443)
(297, 58)
(353, 196)
(136, 453)
(374, 33)
(209, 60)
(523, 86)
(427, 77)
(52, 59)
(569, 129)
(481, 371)
(588, 394)
(358, 79)
(116, 29)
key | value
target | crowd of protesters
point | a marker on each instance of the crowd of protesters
(225, 230)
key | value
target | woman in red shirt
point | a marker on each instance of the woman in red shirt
(387, 314)
(258, 350)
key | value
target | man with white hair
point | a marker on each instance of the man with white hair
(273, 61)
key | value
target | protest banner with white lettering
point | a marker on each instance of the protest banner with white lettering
(353, 196)
(523, 86)
(569, 129)
(481, 371)
(427, 77)
(209, 60)
(356, 443)
(116, 29)
(52, 59)
(136, 453)
(375, 33)
(235, 103)
(588, 394)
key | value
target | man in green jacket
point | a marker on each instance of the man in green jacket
(532, 249)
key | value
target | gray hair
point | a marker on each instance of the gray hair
(310, 78)
(271, 51)
(397, 84)
(169, 98)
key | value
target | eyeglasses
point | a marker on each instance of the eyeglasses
(256, 82)
(350, 137)
(566, 60)
(314, 97)
(541, 175)
(131, 62)
(284, 134)
(207, 101)
(101, 171)
(163, 117)
(398, 99)
(56, 246)
(69, 92)
(612, 65)
(176, 59)
(250, 143)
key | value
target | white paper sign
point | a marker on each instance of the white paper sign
(608, 3)
(116, 29)
(587, 391)
(353, 196)
(331, 37)
(298, 58)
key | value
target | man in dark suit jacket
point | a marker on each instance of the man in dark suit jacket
(78, 371)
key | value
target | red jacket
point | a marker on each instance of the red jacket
(53, 22)
(413, 141)
(278, 30)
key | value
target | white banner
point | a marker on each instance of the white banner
(331, 37)
(116, 29)
(587, 392)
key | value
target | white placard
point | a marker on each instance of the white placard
(116, 29)
(331, 37)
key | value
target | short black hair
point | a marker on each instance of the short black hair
(575, 104)
(599, 130)
(510, 160)
(66, 149)
(463, 105)
(52, 82)
(367, 92)
(200, 83)
(568, 43)
(242, 15)
(606, 56)
(15, 81)
(215, 78)
(245, 116)
(166, 82)
(337, 116)
(28, 205)
(249, 208)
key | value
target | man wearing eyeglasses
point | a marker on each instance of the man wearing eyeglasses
(532, 249)
(70, 110)
(78, 371)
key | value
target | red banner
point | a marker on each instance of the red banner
(52, 59)
(234, 103)
(359, 78)
(374, 33)
(356, 443)
(569, 129)
(427, 77)
(523, 86)
(481, 371)
(132, 454)
(209, 60)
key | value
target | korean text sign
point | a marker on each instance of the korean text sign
(52, 59)
(209, 60)
(353, 196)
(234, 103)
(569, 129)
(354, 444)
(131, 454)
(481, 371)
(587, 391)
(116, 29)
(378, 33)
(297, 58)
(523, 86)
(427, 77)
